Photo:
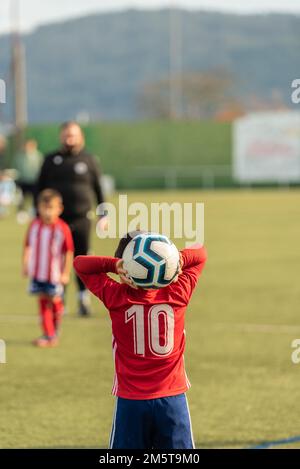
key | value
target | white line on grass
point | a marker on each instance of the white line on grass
(26, 318)
(264, 328)
(244, 327)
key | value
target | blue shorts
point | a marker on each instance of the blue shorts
(46, 288)
(162, 423)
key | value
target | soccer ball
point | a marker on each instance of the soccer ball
(151, 260)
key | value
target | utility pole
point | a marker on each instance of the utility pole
(18, 76)
(175, 64)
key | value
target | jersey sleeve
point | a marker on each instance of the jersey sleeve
(194, 259)
(93, 271)
(68, 245)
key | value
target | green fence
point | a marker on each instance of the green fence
(134, 152)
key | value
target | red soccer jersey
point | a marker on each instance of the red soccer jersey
(147, 325)
(48, 245)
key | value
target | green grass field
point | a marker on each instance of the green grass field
(240, 325)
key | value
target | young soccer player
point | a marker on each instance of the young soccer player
(150, 382)
(47, 261)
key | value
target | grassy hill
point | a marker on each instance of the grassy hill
(100, 63)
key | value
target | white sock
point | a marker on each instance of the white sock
(84, 297)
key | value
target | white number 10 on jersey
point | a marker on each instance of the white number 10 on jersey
(137, 316)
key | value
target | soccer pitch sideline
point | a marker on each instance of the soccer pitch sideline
(240, 325)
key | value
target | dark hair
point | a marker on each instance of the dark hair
(67, 124)
(48, 195)
(125, 241)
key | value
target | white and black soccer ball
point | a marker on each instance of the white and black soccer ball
(151, 260)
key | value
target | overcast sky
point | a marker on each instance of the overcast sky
(35, 12)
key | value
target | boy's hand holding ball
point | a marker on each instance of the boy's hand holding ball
(123, 274)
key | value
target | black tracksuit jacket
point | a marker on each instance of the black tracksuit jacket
(76, 177)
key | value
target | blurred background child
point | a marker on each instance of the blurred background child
(27, 163)
(47, 261)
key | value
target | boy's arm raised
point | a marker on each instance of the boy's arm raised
(93, 270)
(193, 262)
(193, 256)
(90, 265)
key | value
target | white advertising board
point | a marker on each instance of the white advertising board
(266, 147)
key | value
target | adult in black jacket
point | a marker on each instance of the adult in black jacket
(76, 175)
